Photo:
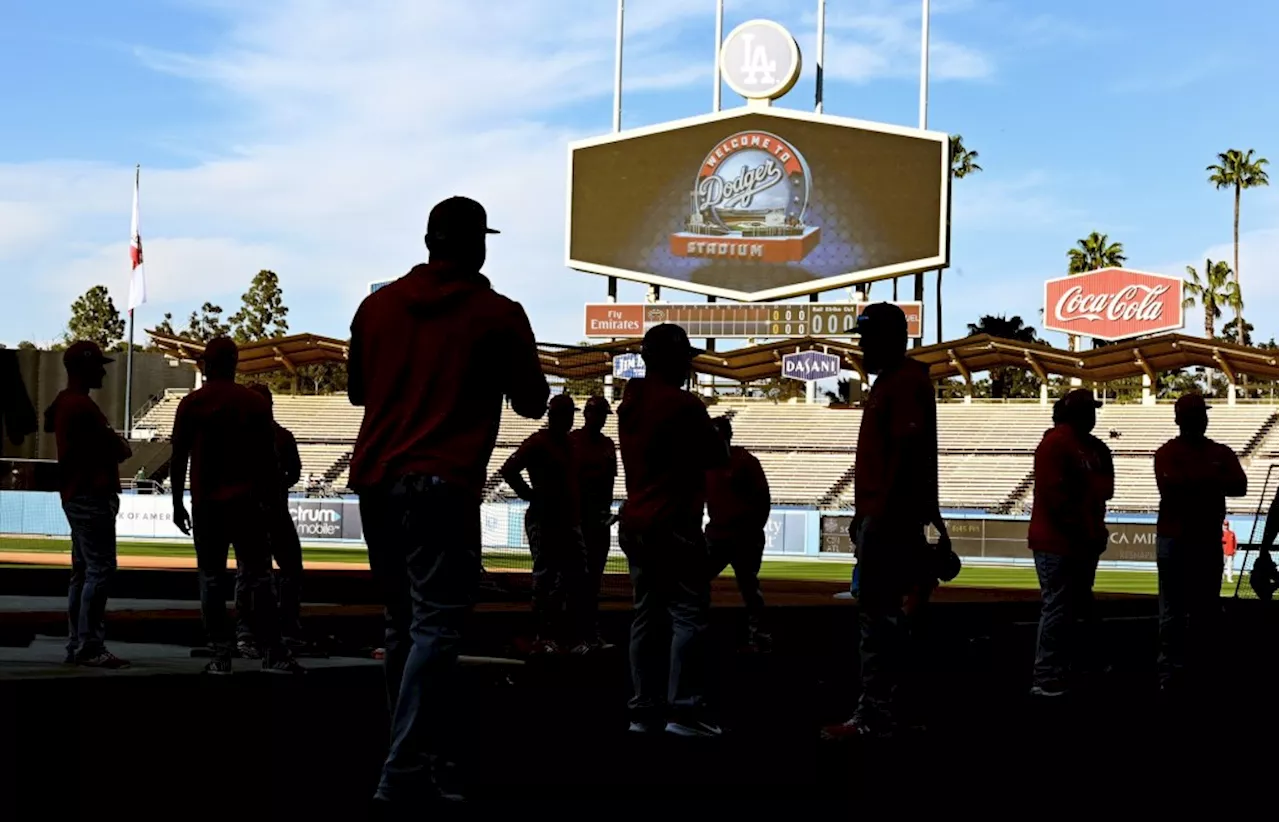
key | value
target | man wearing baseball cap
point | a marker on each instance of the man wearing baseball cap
(553, 526)
(597, 472)
(1195, 476)
(895, 499)
(668, 444)
(89, 455)
(432, 356)
(1074, 478)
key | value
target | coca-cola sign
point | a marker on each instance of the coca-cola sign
(1113, 304)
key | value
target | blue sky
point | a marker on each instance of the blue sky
(312, 136)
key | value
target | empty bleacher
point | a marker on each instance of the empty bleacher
(808, 451)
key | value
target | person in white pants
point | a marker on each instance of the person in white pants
(1228, 551)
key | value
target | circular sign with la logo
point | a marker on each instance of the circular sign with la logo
(760, 60)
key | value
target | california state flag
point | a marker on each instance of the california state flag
(138, 277)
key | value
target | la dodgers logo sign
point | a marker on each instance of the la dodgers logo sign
(749, 202)
(760, 60)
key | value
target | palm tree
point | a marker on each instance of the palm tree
(1214, 290)
(1237, 170)
(1010, 328)
(1091, 253)
(963, 163)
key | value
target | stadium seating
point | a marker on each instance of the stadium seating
(808, 451)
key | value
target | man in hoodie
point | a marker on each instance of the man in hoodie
(1074, 478)
(597, 472)
(668, 444)
(553, 525)
(420, 363)
(738, 507)
(223, 429)
(286, 549)
(1195, 475)
(89, 455)
(895, 499)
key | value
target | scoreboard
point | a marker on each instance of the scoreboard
(732, 320)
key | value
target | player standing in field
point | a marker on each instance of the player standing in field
(552, 523)
(597, 472)
(1229, 544)
(895, 498)
(224, 429)
(422, 350)
(668, 444)
(738, 507)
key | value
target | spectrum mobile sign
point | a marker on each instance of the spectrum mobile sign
(1113, 304)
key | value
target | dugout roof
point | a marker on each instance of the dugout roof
(957, 358)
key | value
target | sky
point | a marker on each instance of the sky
(311, 137)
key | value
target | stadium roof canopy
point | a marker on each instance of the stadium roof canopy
(279, 354)
(957, 358)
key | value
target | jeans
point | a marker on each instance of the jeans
(596, 535)
(1064, 636)
(93, 563)
(424, 552)
(744, 553)
(669, 653)
(1190, 582)
(286, 550)
(885, 557)
(217, 526)
(561, 580)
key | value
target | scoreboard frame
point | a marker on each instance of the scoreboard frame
(739, 320)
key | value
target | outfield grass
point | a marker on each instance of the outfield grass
(1133, 582)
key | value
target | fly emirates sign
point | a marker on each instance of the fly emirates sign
(1113, 304)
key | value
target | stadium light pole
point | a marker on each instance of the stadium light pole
(819, 61)
(924, 123)
(617, 107)
(715, 92)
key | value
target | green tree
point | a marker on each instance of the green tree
(322, 378)
(1091, 253)
(206, 324)
(262, 311)
(1237, 170)
(1213, 291)
(27, 345)
(1006, 381)
(1230, 334)
(94, 317)
(963, 163)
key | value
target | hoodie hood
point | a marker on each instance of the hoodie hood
(434, 288)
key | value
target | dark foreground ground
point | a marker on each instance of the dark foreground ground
(551, 736)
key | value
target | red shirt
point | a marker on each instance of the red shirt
(668, 444)
(597, 468)
(227, 431)
(738, 501)
(1074, 478)
(89, 451)
(895, 473)
(432, 356)
(553, 470)
(1195, 477)
(1229, 543)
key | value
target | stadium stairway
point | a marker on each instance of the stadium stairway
(1257, 445)
(152, 456)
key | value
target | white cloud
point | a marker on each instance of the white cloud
(1259, 277)
(352, 122)
(985, 201)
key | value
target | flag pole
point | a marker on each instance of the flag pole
(128, 368)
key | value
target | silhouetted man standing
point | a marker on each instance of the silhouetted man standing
(597, 473)
(895, 497)
(553, 525)
(224, 429)
(738, 507)
(286, 549)
(1074, 479)
(668, 444)
(89, 455)
(1195, 476)
(422, 350)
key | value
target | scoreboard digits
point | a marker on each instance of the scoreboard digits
(729, 321)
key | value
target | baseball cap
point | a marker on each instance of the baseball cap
(882, 318)
(561, 401)
(1078, 399)
(82, 353)
(220, 348)
(598, 402)
(667, 341)
(458, 217)
(1189, 402)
